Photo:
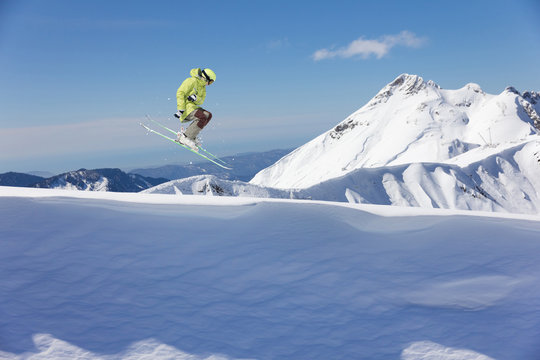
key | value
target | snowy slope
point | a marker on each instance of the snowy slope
(507, 180)
(87, 275)
(410, 121)
(211, 185)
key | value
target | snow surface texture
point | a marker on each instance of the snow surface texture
(137, 276)
(412, 123)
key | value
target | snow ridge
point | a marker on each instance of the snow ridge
(211, 185)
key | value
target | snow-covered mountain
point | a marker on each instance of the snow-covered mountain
(212, 185)
(100, 180)
(411, 121)
(507, 181)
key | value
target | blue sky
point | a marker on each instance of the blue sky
(76, 78)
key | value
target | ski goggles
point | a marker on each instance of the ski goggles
(208, 79)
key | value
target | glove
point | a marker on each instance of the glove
(192, 97)
(179, 113)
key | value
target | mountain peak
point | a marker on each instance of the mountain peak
(408, 121)
(405, 84)
(406, 78)
(474, 87)
(512, 89)
(409, 84)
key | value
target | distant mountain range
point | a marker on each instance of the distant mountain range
(100, 180)
(245, 167)
(88, 180)
(19, 179)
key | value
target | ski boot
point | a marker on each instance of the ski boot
(190, 143)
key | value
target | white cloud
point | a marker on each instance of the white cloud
(364, 48)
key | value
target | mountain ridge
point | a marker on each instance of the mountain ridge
(19, 179)
(506, 181)
(107, 179)
(409, 120)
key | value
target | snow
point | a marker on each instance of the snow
(410, 121)
(501, 179)
(98, 275)
(211, 185)
(427, 350)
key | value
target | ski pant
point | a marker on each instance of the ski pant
(199, 119)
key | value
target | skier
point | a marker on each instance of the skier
(190, 96)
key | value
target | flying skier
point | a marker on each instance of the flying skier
(189, 97)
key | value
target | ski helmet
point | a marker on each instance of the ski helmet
(209, 75)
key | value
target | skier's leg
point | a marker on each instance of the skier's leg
(201, 118)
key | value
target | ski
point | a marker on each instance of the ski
(175, 133)
(184, 146)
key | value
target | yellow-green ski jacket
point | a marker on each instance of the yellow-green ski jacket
(194, 85)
